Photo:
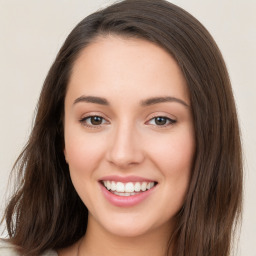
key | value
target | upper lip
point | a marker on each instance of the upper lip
(125, 179)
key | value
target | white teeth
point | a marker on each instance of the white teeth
(144, 186)
(150, 185)
(113, 186)
(129, 188)
(108, 185)
(137, 187)
(120, 187)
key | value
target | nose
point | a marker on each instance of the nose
(125, 149)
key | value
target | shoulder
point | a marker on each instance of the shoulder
(7, 249)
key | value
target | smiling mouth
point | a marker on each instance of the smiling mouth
(128, 188)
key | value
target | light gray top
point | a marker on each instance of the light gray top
(7, 249)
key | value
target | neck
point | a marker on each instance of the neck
(98, 241)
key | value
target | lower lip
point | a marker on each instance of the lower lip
(125, 201)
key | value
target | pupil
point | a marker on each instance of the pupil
(160, 120)
(96, 120)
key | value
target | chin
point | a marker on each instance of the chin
(130, 226)
(128, 231)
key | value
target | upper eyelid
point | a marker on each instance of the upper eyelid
(168, 118)
(161, 114)
(83, 119)
(91, 114)
(172, 121)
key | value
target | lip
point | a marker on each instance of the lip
(125, 179)
(125, 201)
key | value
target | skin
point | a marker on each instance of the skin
(128, 141)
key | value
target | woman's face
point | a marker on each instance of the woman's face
(129, 138)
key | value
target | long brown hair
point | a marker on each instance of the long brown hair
(46, 213)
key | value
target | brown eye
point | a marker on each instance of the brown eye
(96, 120)
(162, 121)
(93, 121)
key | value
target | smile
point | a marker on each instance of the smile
(128, 188)
(127, 191)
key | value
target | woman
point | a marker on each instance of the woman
(135, 147)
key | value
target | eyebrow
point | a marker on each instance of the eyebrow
(92, 99)
(147, 102)
(156, 100)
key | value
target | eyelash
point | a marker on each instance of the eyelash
(168, 121)
(84, 120)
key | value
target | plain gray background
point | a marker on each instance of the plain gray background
(31, 33)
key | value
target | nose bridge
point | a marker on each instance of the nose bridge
(125, 149)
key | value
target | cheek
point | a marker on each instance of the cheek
(82, 152)
(174, 157)
(175, 153)
(83, 155)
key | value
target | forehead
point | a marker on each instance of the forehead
(126, 66)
